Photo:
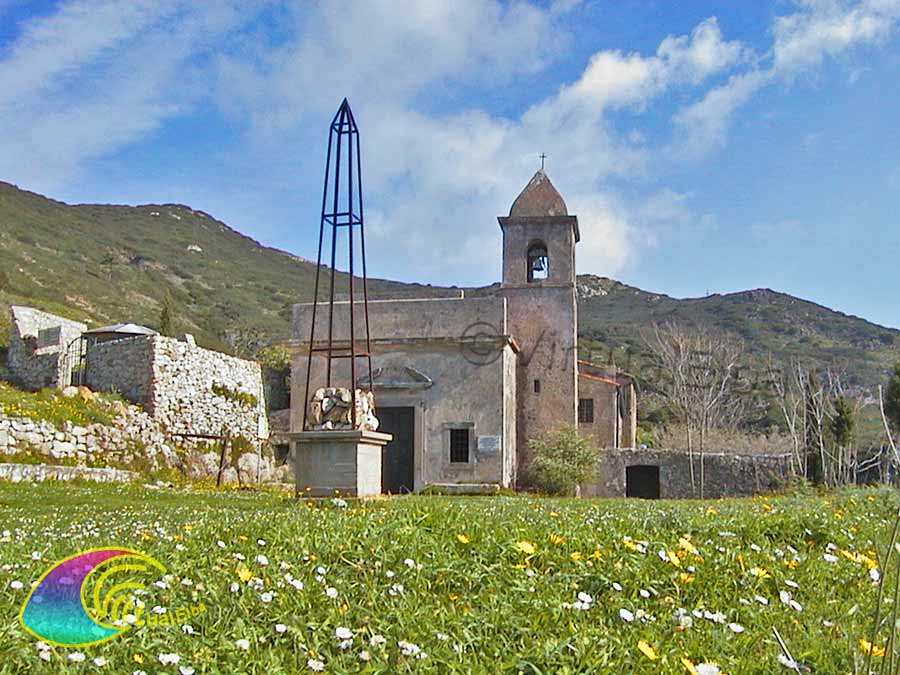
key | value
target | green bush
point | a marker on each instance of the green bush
(560, 460)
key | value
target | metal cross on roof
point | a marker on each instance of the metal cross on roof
(543, 157)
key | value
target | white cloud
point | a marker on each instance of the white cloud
(99, 75)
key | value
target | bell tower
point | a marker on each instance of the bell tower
(539, 238)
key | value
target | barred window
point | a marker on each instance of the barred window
(585, 411)
(459, 445)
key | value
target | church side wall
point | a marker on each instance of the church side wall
(400, 319)
(463, 394)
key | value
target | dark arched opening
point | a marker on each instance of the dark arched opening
(538, 262)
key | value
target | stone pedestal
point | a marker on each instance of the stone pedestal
(348, 462)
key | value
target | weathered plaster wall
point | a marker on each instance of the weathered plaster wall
(605, 430)
(478, 394)
(726, 475)
(400, 319)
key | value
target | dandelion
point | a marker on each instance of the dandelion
(760, 573)
(525, 547)
(647, 649)
(242, 644)
(244, 574)
(867, 647)
(462, 538)
(557, 540)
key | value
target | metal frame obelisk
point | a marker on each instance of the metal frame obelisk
(342, 208)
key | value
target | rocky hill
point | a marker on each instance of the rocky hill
(106, 264)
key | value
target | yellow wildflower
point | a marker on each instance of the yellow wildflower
(686, 545)
(686, 578)
(244, 574)
(647, 650)
(525, 547)
(760, 573)
(575, 556)
(556, 539)
(868, 648)
(597, 555)
(688, 665)
(138, 658)
(462, 538)
(630, 545)
(673, 558)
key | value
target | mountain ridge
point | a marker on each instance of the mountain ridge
(104, 263)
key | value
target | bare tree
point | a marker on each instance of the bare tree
(788, 385)
(700, 377)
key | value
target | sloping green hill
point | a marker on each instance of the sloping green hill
(106, 264)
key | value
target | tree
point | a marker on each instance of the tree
(166, 319)
(892, 398)
(561, 461)
(699, 372)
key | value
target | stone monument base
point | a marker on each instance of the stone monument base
(330, 462)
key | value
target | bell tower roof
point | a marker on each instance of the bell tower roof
(539, 199)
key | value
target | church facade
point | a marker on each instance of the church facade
(464, 382)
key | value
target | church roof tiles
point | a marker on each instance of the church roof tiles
(538, 199)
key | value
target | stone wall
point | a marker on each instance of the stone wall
(124, 367)
(135, 440)
(38, 342)
(18, 473)
(183, 399)
(174, 381)
(726, 475)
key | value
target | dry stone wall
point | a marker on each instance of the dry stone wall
(185, 388)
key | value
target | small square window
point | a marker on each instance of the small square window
(459, 446)
(537, 386)
(585, 411)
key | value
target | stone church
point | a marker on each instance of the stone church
(464, 382)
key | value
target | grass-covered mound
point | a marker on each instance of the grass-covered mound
(51, 406)
(460, 585)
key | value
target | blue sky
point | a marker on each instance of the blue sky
(705, 146)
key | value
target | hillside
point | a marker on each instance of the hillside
(105, 264)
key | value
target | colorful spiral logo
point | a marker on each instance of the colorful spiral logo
(63, 611)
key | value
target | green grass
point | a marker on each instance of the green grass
(51, 406)
(474, 604)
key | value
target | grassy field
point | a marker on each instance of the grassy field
(459, 585)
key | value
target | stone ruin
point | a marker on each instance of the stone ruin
(330, 410)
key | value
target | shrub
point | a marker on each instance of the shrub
(561, 460)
